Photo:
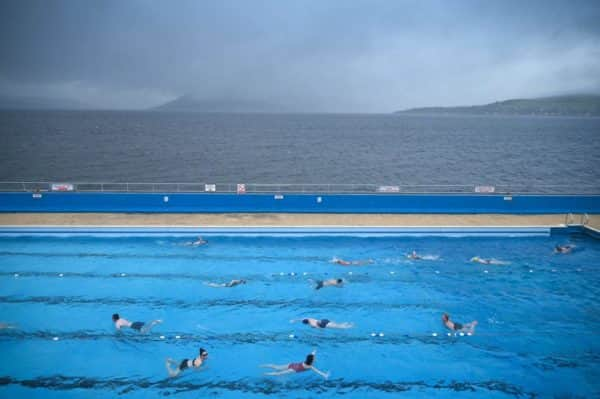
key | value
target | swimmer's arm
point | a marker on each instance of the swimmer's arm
(216, 285)
(322, 374)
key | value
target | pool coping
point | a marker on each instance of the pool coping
(358, 231)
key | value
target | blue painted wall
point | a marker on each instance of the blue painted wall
(296, 203)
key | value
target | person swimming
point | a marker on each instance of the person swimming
(200, 241)
(563, 249)
(136, 325)
(467, 327)
(230, 284)
(296, 367)
(492, 261)
(186, 363)
(323, 323)
(351, 262)
(414, 256)
(332, 282)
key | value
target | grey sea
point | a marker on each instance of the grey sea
(109, 146)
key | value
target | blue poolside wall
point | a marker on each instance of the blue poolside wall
(296, 203)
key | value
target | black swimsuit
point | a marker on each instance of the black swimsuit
(183, 365)
(323, 323)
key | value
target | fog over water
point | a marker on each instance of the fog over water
(334, 56)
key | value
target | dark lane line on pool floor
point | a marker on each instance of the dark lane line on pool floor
(264, 386)
(181, 304)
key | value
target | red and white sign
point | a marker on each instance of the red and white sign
(485, 189)
(241, 189)
(62, 187)
(388, 189)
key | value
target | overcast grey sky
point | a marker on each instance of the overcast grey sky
(322, 55)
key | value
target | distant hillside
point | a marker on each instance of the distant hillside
(572, 105)
(39, 103)
(189, 103)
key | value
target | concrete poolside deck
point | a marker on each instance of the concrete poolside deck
(287, 220)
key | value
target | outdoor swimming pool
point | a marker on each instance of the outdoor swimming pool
(537, 334)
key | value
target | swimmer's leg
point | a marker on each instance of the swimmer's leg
(279, 367)
(470, 327)
(332, 324)
(282, 372)
(215, 285)
(172, 372)
(148, 326)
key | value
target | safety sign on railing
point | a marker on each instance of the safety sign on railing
(485, 189)
(62, 187)
(210, 188)
(388, 189)
(241, 189)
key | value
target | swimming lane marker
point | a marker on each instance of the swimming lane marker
(434, 334)
(177, 336)
(55, 339)
(485, 271)
(123, 274)
(60, 275)
(292, 336)
(162, 337)
(16, 275)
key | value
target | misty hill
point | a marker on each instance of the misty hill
(571, 105)
(189, 103)
(39, 103)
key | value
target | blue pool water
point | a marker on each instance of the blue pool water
(538, 332)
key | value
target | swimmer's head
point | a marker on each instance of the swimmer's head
(339, 281)
(242, 281)
(115, 317)
(304, 321)
(203, 352)
(445, 317)
(474, 258)
(310, 359)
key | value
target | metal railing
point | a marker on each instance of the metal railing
(383, 189)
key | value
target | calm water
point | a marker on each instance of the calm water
(234, 148)
(537, 334)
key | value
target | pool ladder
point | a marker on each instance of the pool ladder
(570, 220)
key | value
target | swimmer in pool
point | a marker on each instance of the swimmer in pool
(323, 323)
(230, 284)
(136, 325)
(414, 256)
(186, 363)
(563, 249)
(483, 261)
(296, 367)
(200, 241)
(332, 282)
(352, 262)
(466, 328)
